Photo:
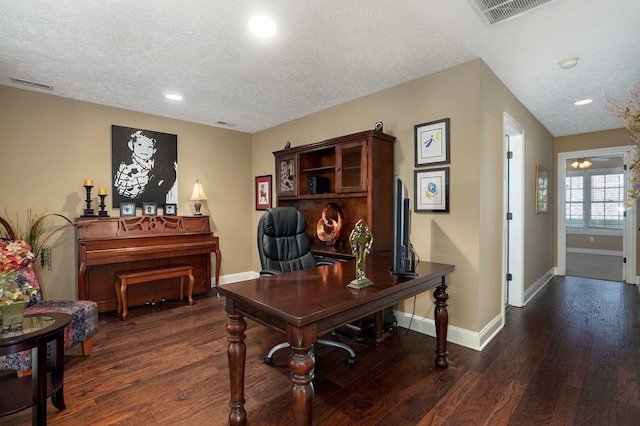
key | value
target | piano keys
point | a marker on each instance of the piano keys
(110, 245)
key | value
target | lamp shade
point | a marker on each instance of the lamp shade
(198, 193)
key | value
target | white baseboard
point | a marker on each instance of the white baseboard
(457, 335)
(232, 278)
(538, 285)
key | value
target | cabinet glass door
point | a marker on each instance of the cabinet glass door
(352, 168)
(287, 180)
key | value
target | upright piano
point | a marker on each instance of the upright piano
(110, 245)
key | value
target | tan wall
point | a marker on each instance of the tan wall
(471, 235)
(49, 144)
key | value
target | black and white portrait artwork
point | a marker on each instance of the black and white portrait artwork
(144, 166)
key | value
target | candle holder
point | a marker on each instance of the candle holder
(102, 212)
(88, 212)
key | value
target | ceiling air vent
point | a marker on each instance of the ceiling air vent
(31, 84)
(494, 11)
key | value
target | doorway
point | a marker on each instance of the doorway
(596, 239)
(513, 229)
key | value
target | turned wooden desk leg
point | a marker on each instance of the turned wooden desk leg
(237, 352)
(302, 363)
(442, 322)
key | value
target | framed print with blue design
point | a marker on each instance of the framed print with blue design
(431, 190)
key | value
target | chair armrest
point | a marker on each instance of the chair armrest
(267, 272)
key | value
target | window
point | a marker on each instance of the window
(595, 199)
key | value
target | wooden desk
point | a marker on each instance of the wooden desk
(37, 331)
(307, 304)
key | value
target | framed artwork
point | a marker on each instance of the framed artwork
(170, 209)
(263, 192)
(432, 143)
(144, 166)
(432, 190)
(127, 209)
(149, 209)
(542, 189)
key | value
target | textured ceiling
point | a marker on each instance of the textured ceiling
(129, 54)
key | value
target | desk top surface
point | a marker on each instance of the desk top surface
(308, 296)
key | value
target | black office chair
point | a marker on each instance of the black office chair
(284, 247)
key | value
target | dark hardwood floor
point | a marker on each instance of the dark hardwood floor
(572, 356)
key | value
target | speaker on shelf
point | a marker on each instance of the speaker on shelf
(317, 185)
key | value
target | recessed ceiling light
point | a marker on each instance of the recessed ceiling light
(583, 102)
(173, 97)
(567, 63)
(262, 26)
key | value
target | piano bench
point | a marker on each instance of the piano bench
(125, 278)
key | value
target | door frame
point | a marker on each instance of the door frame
(513, 200)
(630, 222)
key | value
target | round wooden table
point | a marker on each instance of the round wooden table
(37, 333)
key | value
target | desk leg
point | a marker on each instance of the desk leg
(442, 321)
(237, 352)
(301, 363)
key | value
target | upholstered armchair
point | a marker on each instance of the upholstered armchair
(81, 329)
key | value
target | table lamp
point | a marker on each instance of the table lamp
(197, 196)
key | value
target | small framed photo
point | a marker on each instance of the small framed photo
(127, 209)
(149, 209)
(432, 190)
(263, 192)
(170, 209)
(432, 143)
(542, 189)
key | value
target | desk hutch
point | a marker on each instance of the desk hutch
(359, 172)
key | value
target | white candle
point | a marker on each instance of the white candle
(88, 182)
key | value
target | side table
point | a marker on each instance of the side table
(37, 332)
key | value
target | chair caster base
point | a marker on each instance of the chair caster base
(352, 360)
(268, 360)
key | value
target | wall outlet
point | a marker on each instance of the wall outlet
(45, 257)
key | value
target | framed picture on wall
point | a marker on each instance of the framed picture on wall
(263, 192)
(542, 189)
(432, 190)
(432, 143)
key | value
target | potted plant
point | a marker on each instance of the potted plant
(37, 230)
(14, 293)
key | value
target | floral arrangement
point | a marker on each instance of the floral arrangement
(13, 255)
(629, 113)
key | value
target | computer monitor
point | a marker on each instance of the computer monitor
(403, 254)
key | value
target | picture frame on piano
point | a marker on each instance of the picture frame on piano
(149, 209)
(170, 209)
(127, 209)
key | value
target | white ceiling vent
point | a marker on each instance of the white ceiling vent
(494, 11)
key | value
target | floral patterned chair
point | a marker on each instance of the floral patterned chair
(81, 329)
